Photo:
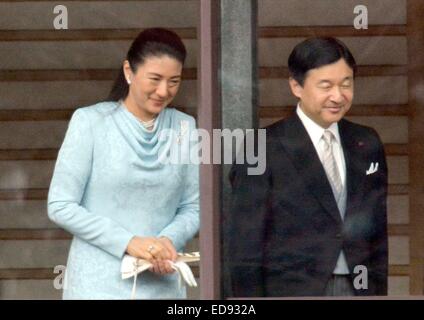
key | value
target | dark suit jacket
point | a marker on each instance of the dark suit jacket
(284, 232)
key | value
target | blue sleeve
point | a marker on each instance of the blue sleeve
(71, 174)
(185, 225)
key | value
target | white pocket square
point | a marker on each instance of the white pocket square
(132, 266)
(373, 168)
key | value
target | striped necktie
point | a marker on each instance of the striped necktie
(330, 165)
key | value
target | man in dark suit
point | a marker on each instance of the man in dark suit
(314, 224)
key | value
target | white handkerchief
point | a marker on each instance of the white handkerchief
(372, 169)
(132, 266)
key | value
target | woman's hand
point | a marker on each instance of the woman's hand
(155, 250)
(163, 267)
(147, 248)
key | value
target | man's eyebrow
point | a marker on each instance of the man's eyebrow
(324, 81)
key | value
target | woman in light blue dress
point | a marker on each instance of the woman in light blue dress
(111, 187)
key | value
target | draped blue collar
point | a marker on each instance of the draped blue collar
(146, 144)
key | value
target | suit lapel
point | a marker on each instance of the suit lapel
(355, 175)
(299, 147)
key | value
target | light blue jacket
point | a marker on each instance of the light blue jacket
(110, 185)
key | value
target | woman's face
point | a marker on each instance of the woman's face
(153, 86)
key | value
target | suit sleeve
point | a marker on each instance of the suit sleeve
(246, 222)
(71, 174)
(379, 244)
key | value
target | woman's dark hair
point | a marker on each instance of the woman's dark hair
(317, 52)
(154, 42)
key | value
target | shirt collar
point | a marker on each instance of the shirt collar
(314, 130)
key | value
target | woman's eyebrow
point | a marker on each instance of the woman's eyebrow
(154, 74)
(160, 76)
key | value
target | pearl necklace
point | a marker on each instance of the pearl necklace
(148, 124)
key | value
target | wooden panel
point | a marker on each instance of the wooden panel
(395, 141)
(28, 154)
(398, 229)
(100, 15)
(32, 135)
(33, 253)
(356, 110)
(384, 127)
(36, 115)
(73, 75)
(56, 94)
(34, 234)
(363, 71)
(398, 189)
(56, 233)
(330, 31)
(85, 35)
(63, 94)
(30, 214)
(53, 115)
(398, 270)
(399, 286)
(48, 273)
(398, 209)
(399, 250)
(327, 13)
(398, 167)
(29, 289)
(87, 0)
(396, 149)
(379, 50)
(41, 194)
(23, 194)
(27, 273)
(68, 55)
(26, 174)
(368, 90)
(275, 92)
(416, 132)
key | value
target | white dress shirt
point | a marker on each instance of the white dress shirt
(315, 132)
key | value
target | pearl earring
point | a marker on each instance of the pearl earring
(129, 81)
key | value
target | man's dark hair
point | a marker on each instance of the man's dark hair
(317, 52)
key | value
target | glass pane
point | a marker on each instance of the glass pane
(66, 59)
(284, 234)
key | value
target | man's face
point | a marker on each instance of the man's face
(327, 92)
